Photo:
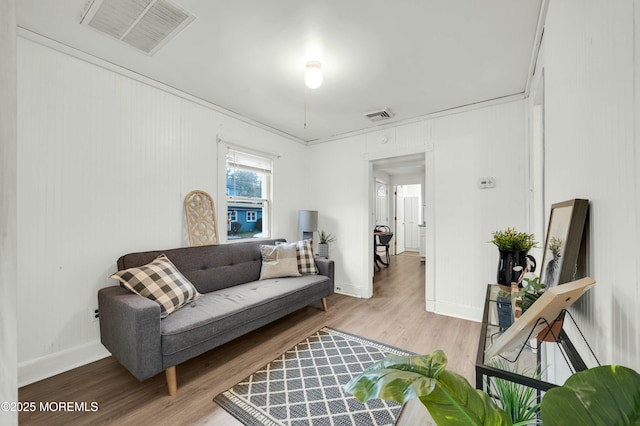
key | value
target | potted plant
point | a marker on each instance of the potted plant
(323, 246)
(529, 293)
(514, 259)
(520, 402)
(600, 396)
(527, 297)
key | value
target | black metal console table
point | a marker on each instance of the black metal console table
(530, 372)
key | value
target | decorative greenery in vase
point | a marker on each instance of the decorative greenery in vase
(326, 238)
(512, 240)
(514, 259)
(529, 293)
(520, 402)
(323, 246)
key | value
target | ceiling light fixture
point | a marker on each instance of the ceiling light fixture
(313, 76)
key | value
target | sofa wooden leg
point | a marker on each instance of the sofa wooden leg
(172, 382)
(324, 304)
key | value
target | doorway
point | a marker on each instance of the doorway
(397, 186)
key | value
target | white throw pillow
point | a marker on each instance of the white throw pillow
(279, 261)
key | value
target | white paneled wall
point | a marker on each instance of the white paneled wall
(487, 142)
(8, 211)
(104, 163)
(342, 190)
(592, 152)
(105, 160)
(460, 148)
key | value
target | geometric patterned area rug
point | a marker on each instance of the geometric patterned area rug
(304, 385)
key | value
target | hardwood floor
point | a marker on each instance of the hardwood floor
(395, 315)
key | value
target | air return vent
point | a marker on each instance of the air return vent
(144, 24)
(382, 114)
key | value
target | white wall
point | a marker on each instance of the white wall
(342, 189)
(459, 149)
(104, 163)
(591, 121)
(8, 210)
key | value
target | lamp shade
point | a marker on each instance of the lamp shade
(308, 220)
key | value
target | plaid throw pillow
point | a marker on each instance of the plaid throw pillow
(304, 255)
(306, 262)
(161, 282)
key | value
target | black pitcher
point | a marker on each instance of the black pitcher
(510, 260)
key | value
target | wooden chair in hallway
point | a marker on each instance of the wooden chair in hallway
(382, 240)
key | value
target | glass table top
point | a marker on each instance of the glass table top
(539, 363)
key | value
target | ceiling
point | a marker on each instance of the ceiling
(416, 57)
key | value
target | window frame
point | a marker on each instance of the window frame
(238, 203)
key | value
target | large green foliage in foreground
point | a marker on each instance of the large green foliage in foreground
(449, 397)
(608, 395)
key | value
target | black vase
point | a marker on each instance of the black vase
(508, 261)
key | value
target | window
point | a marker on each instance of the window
(248, 190)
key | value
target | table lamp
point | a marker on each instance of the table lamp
(307, 223)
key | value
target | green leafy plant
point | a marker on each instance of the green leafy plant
(512, 240)
(326, 238)
(605, 395)
(529, 293)
(518, 401)
(446, 394)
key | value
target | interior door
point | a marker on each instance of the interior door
(382, 203)
(411, 234)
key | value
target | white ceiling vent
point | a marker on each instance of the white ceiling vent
(381, 114)
(144, 24)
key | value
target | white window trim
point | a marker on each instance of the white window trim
(222, 147)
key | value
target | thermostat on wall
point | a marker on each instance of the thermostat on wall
(486, 182)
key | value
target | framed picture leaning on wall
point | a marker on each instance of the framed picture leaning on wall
(562, 246)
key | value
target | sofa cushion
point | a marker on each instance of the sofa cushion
(161, 282)
(279, 261)
(209, 268)
(214, 314)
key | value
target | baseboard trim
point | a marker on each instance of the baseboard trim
(350, 290)
(458, 311)
(49, 365)
(344, 293)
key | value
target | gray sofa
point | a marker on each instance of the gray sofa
(233, 303)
